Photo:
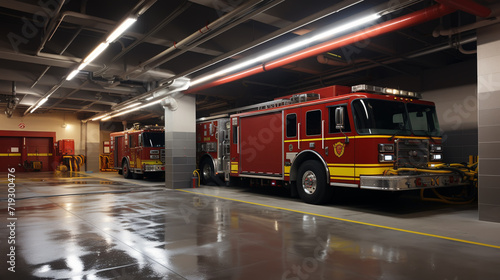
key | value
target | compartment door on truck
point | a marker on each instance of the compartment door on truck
(118, 152)
(261, 143)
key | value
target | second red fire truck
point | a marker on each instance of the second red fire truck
(361, 137)
(138, 151)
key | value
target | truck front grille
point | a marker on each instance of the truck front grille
(413, 153)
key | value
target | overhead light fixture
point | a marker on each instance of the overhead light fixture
(132, 109)
(93, 55)
(96, 52)
(40, 103)
(120, 29)
(72, 75)
(100, 117)
(290, 47)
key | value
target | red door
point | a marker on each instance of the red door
(10, 153)
(39, 150)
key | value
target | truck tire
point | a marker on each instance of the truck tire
(206, 171)
(126, 170)
(312, 184)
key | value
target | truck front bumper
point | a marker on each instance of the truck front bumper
(153, 167)
(411, 182)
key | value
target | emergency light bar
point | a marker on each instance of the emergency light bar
(383, 90)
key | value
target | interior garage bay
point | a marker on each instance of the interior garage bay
(260, 139)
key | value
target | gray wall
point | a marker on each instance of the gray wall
(454, 90)
(488, 98)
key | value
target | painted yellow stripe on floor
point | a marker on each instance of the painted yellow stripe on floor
(350, 221)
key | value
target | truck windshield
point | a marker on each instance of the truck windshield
(153, 139)
(375, 116)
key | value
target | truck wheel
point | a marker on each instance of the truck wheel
(126, 171)
(312, 184)
(207, 171)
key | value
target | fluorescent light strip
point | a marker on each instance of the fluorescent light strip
(99, 117)
(262, 58)
(119, 31)
(133, 109)
(72, 75)
(103, 46)
(96, 52)
(40, 103)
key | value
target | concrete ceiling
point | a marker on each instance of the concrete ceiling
(41, 41)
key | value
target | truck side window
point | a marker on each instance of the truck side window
(235, 134)
(291, 125)
(331, 115)
(131, 142)
(313, 122)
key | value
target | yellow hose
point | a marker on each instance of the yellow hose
(468, 170)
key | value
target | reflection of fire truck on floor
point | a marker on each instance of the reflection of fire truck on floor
(361, 137)
(138, 151)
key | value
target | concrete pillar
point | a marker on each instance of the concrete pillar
(92, 146)
(488, 99)
(180, 140)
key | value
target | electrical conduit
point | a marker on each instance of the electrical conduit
(444, 8)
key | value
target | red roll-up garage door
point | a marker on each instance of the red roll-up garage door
(27, 150)
(10, 153)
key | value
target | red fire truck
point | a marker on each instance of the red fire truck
(361, 137)
(138, 151)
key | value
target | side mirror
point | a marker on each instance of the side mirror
(339, 118)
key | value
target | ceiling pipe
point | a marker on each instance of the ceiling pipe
(60, 53)
(467, 6)
(220, 31)
(386, 62)
(296, 25)
(153, 31)
(50, 26)
(12, 102)
(196, 35)
(140, 8)
(476, 25)
(299, 24)
(139, 70)
(415, 18)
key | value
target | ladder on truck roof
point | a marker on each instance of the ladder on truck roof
(258, 106)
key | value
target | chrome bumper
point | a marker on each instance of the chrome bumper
(410, 182)
(153, 168)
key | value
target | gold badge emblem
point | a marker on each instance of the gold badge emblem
(338, 149)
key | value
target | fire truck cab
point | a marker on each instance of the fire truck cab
(138, 151)
(361, 137)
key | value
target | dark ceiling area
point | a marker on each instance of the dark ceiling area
(42, 41)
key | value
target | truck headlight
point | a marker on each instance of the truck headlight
(154, 156)
(436, 148)
(436, 157)
(386, 157)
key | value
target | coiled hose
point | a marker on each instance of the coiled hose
(466, 194)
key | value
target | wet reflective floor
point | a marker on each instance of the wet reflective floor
(94, 228)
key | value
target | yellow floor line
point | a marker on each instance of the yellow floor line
(350, 221)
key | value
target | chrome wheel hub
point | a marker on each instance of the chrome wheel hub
(309, 182)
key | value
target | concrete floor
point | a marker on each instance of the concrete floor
(101, 226)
